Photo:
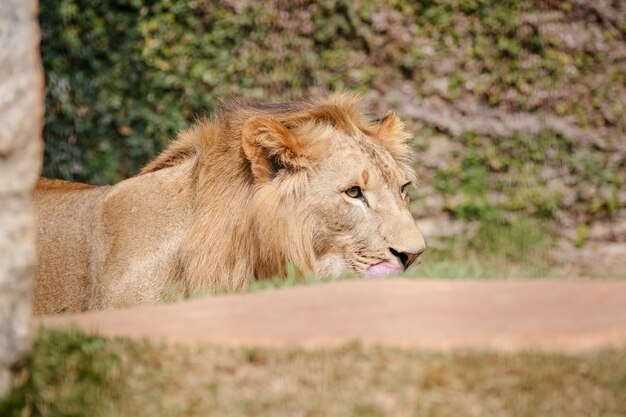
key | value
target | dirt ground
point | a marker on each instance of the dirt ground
(547, 315)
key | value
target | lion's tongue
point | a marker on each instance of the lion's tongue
(383, 269)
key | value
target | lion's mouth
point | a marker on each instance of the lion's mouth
(383, 269)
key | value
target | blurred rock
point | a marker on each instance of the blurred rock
(614, 231)
(21, 123)
(443, 226)
(595, 259)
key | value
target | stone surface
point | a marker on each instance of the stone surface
(21, 122)
(546, 315)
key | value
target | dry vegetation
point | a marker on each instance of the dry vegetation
(73, 375)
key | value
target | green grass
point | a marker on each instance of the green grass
(523, 249)
(72, 374)
(497, 249)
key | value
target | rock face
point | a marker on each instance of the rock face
(21, 123)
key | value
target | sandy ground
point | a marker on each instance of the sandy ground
(547, 315)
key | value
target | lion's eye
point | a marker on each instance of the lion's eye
(354, 192)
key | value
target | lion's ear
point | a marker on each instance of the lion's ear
(390, 131)
(270, 147)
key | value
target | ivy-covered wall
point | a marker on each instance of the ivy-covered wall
(519, 107)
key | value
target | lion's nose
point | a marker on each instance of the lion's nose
(406, 258)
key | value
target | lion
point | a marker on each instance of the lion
(232, 199)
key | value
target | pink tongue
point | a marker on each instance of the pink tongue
(383, 269)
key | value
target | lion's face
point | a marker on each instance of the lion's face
(340, 181)
(357, 197)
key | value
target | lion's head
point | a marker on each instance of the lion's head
(314, 183)
(331, 189)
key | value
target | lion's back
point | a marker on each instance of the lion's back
(67, 219)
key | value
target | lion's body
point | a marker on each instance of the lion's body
(210, 212)
(102, 243)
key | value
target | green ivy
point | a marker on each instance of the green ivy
(122, 77)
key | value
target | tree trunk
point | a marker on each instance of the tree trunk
(21, 123)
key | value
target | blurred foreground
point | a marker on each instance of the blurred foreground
(222, 359)
(73, 374)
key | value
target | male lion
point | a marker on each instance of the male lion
(232, 199)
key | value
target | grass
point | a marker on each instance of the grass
(521, 249)
(72, 374)
(496, 250)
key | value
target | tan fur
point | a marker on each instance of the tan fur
(232, 199)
